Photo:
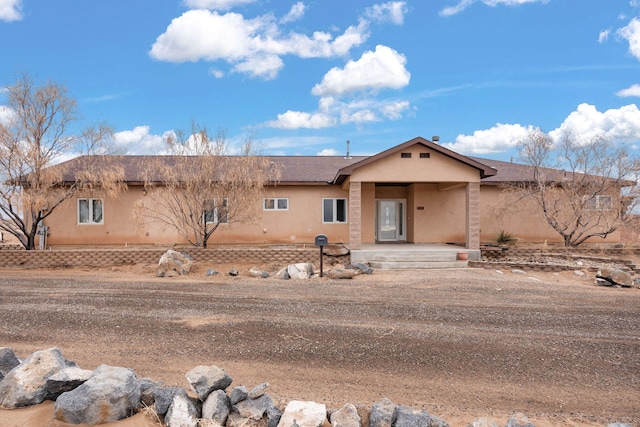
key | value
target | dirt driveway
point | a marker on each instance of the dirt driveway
(459, 343)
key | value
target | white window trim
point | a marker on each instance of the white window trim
(91, 202)
(335, 210)
(275, 204)
(216, 220)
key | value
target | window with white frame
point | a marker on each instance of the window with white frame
(217, 211)
(90, 211)
(276, 204)
(334, 211)
(600, 203)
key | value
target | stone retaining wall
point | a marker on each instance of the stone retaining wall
(502, 258)
(115, 257)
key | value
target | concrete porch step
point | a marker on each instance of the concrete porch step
(417, 265)
(411, 256)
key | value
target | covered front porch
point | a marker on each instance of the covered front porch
(418, 192)
(414, 213)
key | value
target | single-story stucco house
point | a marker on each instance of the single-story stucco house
(415, 192)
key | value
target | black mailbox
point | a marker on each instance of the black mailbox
(322, 240)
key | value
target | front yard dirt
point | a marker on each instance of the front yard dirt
(461, 344)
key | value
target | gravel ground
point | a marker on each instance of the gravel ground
(460, 343)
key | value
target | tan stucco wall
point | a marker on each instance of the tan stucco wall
(522, 221)
(298, 225)
(442, 218)
(437, 168)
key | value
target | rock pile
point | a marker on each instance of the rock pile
(614, 277)
(112, 393)
(174, 263)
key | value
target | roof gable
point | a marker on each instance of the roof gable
(483, 169)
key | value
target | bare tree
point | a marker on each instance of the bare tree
(200, 185)
(583, 189)
(33, 140)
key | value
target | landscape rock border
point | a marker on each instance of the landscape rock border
(113, 393)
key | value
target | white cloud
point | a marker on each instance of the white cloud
(632, 33)
(216, 4)
(201, 34)
(463, 4)
(300, 119)
(392, 11)
(296, 12)
(10, 10)
(382, 69)
(329, 152)
(207, 35)
(394, 110)
(633, 90)
(6, 114)
(139, 140)
(499, 138)
(604, 35)
(586, 123)
(266, 66)
(333, 112)
(218, 74)
(617, 125)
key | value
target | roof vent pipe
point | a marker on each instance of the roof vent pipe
(348, 156)
(435, 138)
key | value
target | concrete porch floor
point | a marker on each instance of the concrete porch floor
(412, 255)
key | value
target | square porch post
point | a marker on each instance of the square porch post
(355, 215)
(472, 229)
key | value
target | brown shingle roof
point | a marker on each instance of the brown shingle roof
(318, 170)
(293, 169)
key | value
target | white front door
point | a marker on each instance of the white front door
(391, 220)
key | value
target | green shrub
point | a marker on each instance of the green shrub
(504, 237)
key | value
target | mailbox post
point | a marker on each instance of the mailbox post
(321, 240)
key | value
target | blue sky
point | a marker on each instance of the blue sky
(305, 76)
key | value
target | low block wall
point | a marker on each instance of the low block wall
(115, 257)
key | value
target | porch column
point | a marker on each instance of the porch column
(355, 215)
(472, 230)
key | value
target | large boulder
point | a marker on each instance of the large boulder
(262, 409)
(303, 414)
(383, 413)
(216, 407)
(174, 263)
(303, 270)
(183, 411)
(616, 277)
(8, 361)
(65, 380)
(407, 417)
(237, 394)
(257, 272)
(258, 391)
(26, 384)
(111, 394)
(163, 396)
(253, 408)
(282, 274)
(339, 272)
(205, 379)
(347, 416)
